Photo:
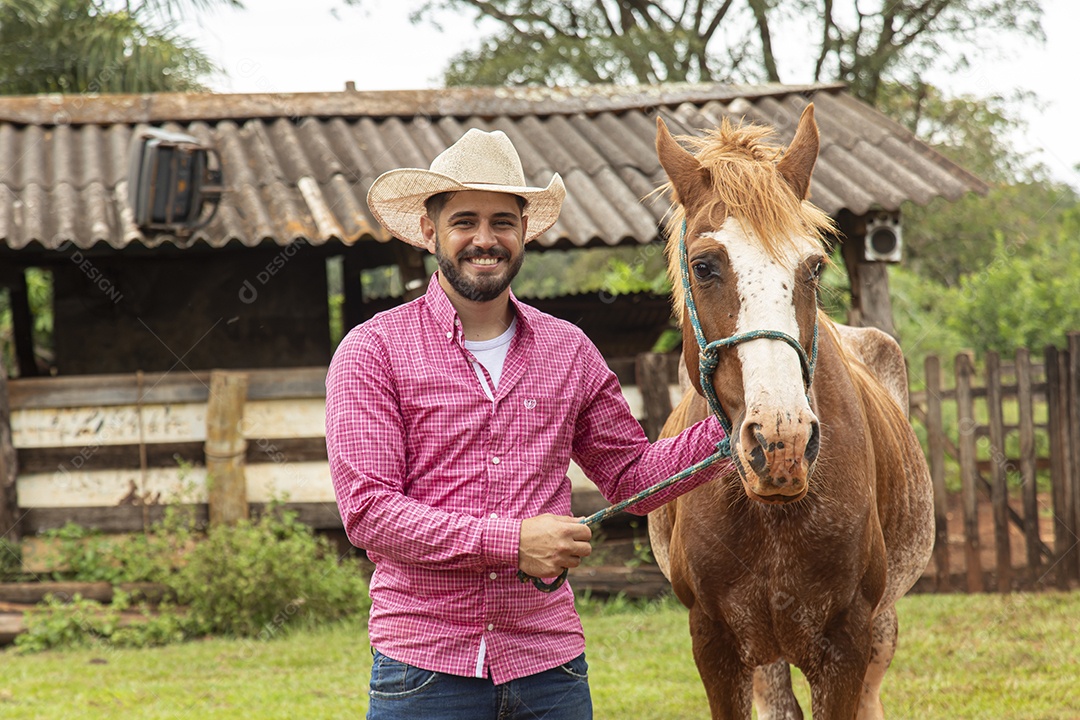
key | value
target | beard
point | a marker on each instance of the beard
(485, 287)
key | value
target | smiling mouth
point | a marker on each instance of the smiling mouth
(484, 261)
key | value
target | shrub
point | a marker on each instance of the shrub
(251, 578)
(255, 579)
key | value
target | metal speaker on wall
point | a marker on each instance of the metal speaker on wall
(174, 181)
(884, 238)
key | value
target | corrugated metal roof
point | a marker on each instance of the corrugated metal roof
(299, 166)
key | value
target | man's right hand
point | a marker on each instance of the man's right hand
(551, 543)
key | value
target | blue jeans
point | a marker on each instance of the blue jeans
(405, 692)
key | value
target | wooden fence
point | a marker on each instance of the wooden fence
(107, 452)
(1003, 446)
(110, 451)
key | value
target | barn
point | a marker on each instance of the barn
(113, 422)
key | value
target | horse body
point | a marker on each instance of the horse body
(800, 555)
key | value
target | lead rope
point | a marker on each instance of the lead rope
(708, 359)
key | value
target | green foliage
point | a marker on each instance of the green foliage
(254, 579)
(75, 46)
(10, 560)
(1026, 297)
(91, 556)
(245, 579)
(62, 622)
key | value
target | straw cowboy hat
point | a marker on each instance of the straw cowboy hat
(478, 161)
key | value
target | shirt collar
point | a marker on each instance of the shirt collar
(446, 318)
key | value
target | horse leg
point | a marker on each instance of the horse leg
(773, 697)
(836, 677)
(881, 654)
(727, 680)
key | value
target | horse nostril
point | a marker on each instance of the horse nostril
(755, 442)
(813, 444)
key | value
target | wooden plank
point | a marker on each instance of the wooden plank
(965, 415)
(35, 592)
(307, 481)
(999, 491)
(226, 448)
(87, 429)
(1073, 411)
(652, 373)
(163, 455)
(1029, 492)
(935, 436)
(160, 388)
(1056, 375)
(9, 470)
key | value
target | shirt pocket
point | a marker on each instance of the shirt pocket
(542, 428)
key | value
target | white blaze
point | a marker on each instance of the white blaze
(772, 372)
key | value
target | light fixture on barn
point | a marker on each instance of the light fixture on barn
(884, 241)
(174, 181)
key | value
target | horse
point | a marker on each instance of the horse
(796, 553)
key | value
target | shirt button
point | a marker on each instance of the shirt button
(450, 336)
(491, 627)
(495, 461)
(494, 576)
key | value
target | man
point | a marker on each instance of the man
(450, 424)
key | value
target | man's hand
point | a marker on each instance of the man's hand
(551, 543)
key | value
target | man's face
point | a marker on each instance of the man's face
(479, 243)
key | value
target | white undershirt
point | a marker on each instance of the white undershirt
(491, 354)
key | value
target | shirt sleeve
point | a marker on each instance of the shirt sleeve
(366, 449)
(612, 449)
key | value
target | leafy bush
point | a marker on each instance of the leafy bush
(255, 579)
(251, 578)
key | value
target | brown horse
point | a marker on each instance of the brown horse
(798, 555)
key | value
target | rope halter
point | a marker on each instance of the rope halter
(709, 352)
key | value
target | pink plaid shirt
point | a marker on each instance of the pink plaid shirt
(433, 479)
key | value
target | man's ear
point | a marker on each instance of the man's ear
(524, 229)
(427, 229)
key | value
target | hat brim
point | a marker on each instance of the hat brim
(397, 199)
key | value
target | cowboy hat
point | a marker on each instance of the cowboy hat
(478, 161)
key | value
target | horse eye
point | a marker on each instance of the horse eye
(702, 271)
(815, 272)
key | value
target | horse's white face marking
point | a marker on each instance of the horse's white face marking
(772, 373)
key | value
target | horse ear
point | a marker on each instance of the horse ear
(683, 169)
(797, 165)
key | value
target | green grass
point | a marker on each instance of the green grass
(987, 656)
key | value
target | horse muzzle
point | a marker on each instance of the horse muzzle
(775, 459)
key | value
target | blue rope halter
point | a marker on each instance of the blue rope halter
(709, 352)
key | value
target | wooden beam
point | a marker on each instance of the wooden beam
(414, 276)
(9, 471)
(965, 417)
(22, 321)
(125, 389)
(935, 436)
(652, 381)
(226, 447)
(871, 305)
(999, 491)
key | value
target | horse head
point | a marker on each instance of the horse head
(745, 254)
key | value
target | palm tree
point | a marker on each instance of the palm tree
(97, 46)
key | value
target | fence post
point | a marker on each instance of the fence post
(1073, 403)
(225, 447)
(935, 439)
(1059, 462)
(652, 380)
(965, 417)
(999, 488)
(1025, 403)
(9, 510)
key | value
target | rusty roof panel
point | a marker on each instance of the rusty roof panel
(299, 166)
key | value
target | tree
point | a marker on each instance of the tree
(73, 46)
(864, 43)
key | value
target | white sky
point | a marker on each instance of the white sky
(283, 46)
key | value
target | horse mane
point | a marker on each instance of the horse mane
(747, 186)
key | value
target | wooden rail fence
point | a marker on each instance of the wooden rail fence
(1003, 445)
